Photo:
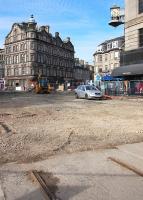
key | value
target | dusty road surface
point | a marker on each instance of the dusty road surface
(78, 176)
(34, 127)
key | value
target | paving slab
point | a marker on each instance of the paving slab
(135, 150)
(79, 176)
(131, 154)
(18, 186)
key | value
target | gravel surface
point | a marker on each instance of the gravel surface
(34, 127)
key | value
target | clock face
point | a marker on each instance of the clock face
(115, 12)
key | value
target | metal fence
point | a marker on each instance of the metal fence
(135, 88)
(121, 88)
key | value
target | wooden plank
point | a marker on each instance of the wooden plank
(49, 194)
(127, 166)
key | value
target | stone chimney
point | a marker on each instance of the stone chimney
(56, 34)
(42, 28)
(47, 29)
(68, 39)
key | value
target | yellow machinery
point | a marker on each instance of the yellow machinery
(42, 85)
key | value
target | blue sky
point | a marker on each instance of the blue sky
(84, 21)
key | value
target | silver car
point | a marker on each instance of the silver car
(88, 92)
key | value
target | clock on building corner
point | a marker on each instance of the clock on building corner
(115, 13)
(116, 16)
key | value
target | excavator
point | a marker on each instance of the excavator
(42, 85)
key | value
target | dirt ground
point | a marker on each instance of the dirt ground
(34, 127)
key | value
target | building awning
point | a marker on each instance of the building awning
(128, 70)
(108, 77)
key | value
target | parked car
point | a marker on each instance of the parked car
(88, 92)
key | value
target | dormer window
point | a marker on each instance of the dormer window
(99, 49)
(108, 46)
(15, 32)
(115, 44)
(15, 35)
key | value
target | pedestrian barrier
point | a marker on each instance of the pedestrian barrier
(121, 88)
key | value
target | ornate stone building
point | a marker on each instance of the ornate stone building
(1, 63)
(31, 50)
(107, 55)
(83, 71)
